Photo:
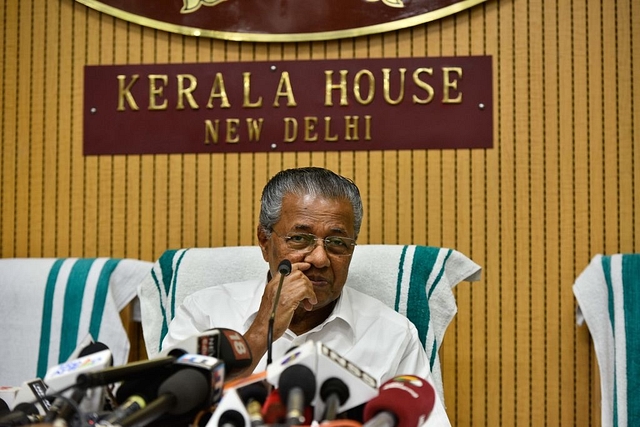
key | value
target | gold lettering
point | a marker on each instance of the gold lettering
(188, 92)
(211, 130)
(232, 131)
(218, 90)
(447, 84)
(351, 128)
(246, 101)
(329, 86)
(386, 82)
(356, 87)
(327, 130)
(124, 92)
(367, 127)
(155, 92)
(285, 89)
(423, 85)
(290, 129)
(310, 134)
(254, 128)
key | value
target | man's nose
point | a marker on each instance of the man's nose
(318, 256)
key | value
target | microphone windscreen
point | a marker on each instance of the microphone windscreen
(300, 376)
(92, 348)
(255, 391)
(285, 267)
(273, 409)
(27, 407)
(189, 387)
(234, 351)
(409, 398)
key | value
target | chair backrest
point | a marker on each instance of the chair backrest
(51, 306)
(608, 296)
(416, 281)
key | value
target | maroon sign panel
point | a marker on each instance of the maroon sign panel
(367, 104)
(279, 20)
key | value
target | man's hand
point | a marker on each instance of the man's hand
(296, 293)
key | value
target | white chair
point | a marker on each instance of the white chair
(416, 281)
(51, 306)
(608, 296)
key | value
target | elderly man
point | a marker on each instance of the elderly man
(311, 217)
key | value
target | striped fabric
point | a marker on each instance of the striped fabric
(416, 281)
(608, 296)
(50, 306)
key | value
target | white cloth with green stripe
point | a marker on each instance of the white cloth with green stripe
(49, 306)
(608, 296)
(416, 281)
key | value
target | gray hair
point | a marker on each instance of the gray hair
(302, 181)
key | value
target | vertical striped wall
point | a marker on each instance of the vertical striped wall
(559, 186)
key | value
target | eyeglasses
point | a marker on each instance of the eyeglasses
(306, 243)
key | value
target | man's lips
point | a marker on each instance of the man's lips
(318, 281)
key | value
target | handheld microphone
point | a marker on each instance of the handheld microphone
(404, 401)
(326, 364)
(298, 388)
(23, 414)
(254, 396)
(125, 372)
(185, 390)
(221, 343)
(334, 393)
(284, 269)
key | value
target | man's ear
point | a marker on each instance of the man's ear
(263, 241)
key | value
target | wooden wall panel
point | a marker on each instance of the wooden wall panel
(558, 187)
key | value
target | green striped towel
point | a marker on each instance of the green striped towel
(416, 281)
(49, 306)
(608, 296)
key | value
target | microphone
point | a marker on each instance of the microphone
(326, 364)
(221, 343)
(404, 401)
(23, 414)
(254, 396)
(125, 372)
(63, 408)
(298, 388)
(284, 269)
(334, 393)
(182, 392)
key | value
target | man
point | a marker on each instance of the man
(311, 217)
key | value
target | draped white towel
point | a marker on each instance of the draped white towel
(608, 296)
(416, 281)
(49, 306)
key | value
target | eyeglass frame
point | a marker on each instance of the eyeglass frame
(313, 243)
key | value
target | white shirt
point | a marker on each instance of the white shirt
(363, 330)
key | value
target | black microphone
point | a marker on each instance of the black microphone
(63, 408)
(284, 269)
(334, 392)
(254, 396)
(24, 413)
(125, 372)
(297, 387)
(221, 343)
(185, 390)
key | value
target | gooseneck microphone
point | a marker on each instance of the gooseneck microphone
(284, 269)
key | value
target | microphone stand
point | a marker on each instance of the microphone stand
(284, 269)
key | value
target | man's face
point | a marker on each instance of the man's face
(321, 217)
